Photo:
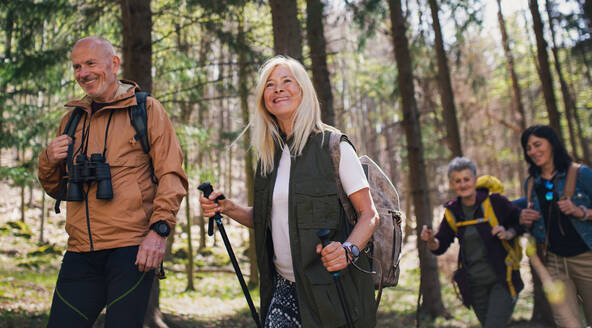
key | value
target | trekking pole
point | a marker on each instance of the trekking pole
(323, 235)
(554, 289)
(207, 189)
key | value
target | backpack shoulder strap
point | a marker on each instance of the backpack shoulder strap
(529, 185)
(73, 121)
(451, 219)
(69, 130)
(139, 120)
(334, 140)
(489, 213)
(571, 180)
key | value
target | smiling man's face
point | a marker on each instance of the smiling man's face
(95, 69)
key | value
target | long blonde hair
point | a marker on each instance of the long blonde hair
(306, 119)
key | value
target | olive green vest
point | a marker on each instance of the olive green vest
(313, 205)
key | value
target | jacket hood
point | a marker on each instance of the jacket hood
(124, 97)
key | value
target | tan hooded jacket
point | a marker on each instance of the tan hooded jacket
(137, 202)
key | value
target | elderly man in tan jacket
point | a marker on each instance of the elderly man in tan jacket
(114, 244)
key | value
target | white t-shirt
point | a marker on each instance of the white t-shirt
(352, 179)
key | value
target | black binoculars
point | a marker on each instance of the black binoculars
(87, 171)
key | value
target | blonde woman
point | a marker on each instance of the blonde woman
(295, 196)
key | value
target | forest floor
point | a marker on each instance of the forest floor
(28, 272)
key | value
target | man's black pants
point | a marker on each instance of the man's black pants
(90, 281)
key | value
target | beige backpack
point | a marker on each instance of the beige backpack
(384, 249)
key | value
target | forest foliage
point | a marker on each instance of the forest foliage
(205, 52)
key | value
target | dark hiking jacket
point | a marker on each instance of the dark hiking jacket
(507, 215)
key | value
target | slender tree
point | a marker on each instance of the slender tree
(587, 11)
(189, 267)
(430, 284)
(318, 55)
(446, 93)
(516, 93)
(543, 69)
(568, 100)
(8, 31)
(243, 77)
(287, 38)
(136, 21)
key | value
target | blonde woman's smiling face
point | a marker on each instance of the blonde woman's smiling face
(282, 96)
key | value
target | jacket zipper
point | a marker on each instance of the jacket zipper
(88, 223)
(86, 195)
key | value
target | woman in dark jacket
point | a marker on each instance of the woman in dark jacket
(561, 224)
(484, 279)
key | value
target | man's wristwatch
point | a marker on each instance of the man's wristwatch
(352, 250)
(161, 228)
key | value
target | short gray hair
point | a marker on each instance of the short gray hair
(100, 41)
(458, 164)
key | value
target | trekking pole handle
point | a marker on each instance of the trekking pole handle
(207, 190)
(323, 235)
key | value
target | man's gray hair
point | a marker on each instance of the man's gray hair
(458, 164)
(106, 46)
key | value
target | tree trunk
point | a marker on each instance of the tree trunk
(23, 204)
(516, 93)
(318, 56)
(587, 10)
(243, 77)
(568, 100)
(446, 93)
(543, 69)
(583, 140)
(287, 39)
(200, 161)
(136, 19)
(153, 318)
(8, 30)
(188, 231)
(42, 223)
(430, 284)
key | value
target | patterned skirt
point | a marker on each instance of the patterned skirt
(283, 310)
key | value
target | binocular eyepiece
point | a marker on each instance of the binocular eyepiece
(86, 171)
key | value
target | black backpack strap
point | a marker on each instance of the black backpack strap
(69, 130)
(139, 120)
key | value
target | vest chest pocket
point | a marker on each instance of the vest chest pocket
(316, 204)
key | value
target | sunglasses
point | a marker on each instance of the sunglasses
(549, 187)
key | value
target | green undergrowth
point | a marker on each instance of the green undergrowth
(28, 273)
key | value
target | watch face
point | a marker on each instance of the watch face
(355, 250)
(162, 229)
